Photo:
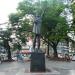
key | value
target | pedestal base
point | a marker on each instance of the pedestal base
(37, 62)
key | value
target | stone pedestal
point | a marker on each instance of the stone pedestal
(37, 62)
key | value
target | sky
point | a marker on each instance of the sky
(7, 7)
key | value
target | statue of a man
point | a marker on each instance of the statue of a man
(36, 31)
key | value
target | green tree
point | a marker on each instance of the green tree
(73, 12)
(22, 28)
(54, 27)
(5, 37)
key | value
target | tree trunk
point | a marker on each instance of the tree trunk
(55, 51)
(7, 47)
(48, 49)
(9, 53)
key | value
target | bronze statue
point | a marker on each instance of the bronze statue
(36, 31)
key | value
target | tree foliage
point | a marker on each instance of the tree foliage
(73, 12)
(54, 27)
(5, 37)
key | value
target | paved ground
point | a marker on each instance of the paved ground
(22, 68)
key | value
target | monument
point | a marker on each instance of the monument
(36, 31)
(37, 56)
